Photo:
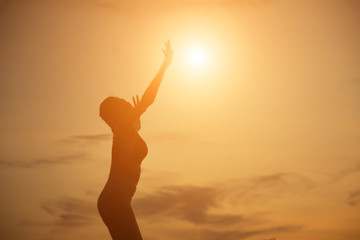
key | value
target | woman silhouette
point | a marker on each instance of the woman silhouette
(128, 151)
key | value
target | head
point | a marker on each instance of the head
(113, 108)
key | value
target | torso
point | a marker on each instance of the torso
(128, 151)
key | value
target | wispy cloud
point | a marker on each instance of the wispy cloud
(194, 203)
(43, 162)
(189, 203)
(282, 180)
(354, 198)
(85, 139)
(70, 212)
(238, 235)
(341, 174)
(161, 137)
(250, 191)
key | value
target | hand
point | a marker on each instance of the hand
(137, 123)
(136, 102)
(168, 53)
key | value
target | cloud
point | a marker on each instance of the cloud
(159, 137)
(354, 198)
(335, 177)
(282, 180)
(194, 203)
(91, 138)
(189, 203)
(238, 235)
(162, 137)
(261, 189)
(70, 212)
(43, 162)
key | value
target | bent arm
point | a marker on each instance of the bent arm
(151, 91)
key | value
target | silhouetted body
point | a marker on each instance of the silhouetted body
(128, 151)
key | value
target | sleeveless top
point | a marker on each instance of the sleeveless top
(128, 151)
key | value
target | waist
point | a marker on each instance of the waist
(128, 170)
(122, 183)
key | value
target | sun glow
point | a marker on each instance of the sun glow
(197, 57)
(200, 59)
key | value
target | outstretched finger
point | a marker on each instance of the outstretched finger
(168, 43)
(133, 98)
(137, 99)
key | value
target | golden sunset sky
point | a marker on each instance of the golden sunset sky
(261, 140)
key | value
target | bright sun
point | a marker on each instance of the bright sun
(197, 57)
(197, 60)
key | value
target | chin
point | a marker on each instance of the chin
(137, 126)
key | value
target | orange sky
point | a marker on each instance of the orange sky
(260, 143)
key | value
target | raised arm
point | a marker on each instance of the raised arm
(151, 91)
